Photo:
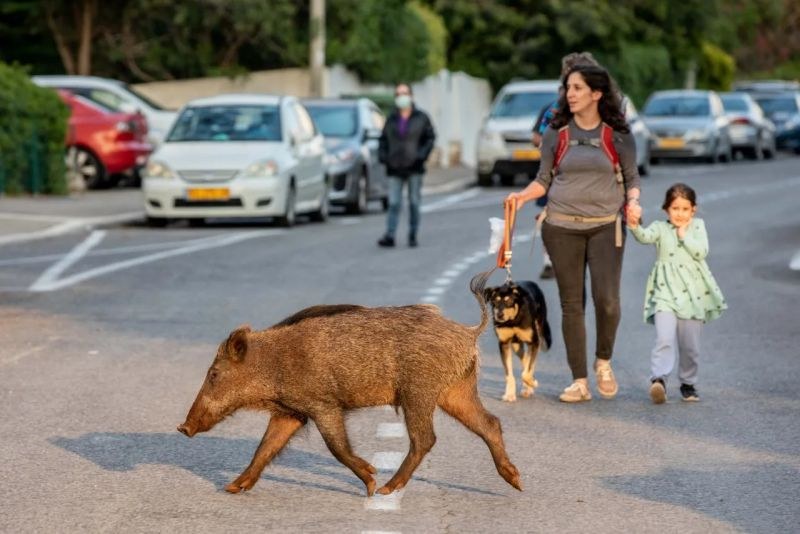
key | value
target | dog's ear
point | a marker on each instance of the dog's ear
(488, 293)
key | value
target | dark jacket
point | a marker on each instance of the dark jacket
(406, 155)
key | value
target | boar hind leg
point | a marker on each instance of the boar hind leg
(419, 422)
(280, 429)
(461, 402)
(331, 426)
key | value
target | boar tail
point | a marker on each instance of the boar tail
(477, 285)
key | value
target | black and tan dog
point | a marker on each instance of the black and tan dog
(520, 322)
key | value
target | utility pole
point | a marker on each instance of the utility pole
(316, 59)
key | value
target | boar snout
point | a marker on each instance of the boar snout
(186, 430)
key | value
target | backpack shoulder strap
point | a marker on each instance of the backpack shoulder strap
(607, 144)
(561, 147)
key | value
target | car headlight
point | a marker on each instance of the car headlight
(700, 134)
(156, 169)
(792, 123)
(491, 137)
(261, 169)
(341, 156)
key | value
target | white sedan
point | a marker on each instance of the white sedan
(238, 156)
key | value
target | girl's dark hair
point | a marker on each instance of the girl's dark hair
(598, 79)
(679, 191)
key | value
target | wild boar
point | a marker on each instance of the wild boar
(325, 360)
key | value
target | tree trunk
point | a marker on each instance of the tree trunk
(63, 49)
(86, 30)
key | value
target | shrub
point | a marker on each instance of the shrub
(33, 125)
(715, 69)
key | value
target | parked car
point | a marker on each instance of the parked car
(117, 96)
(760, 86)
(101, 143)
(238, 156)
(783, 109)
(752, 133)
(504, 145)
(688, 124)
(352, 128)
(641, 135)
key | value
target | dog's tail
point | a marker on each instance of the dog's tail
(477, 285)
(544, 327)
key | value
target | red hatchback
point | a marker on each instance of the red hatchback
(102, 143)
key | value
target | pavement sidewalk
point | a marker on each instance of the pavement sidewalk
(26, 218)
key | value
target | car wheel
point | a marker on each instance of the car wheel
(507, 179)
(485, 179)
(359, 205)
(644, 168)
(88, 167)
(385, 203)
(156, 222)
(197, 222)
(321, 215)
(288, 219)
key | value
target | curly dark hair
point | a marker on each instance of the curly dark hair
(679, 190)
(609, 106)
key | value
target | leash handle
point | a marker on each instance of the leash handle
(504, 254)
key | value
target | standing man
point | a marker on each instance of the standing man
(406, 142)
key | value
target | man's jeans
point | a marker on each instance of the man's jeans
(396, 203)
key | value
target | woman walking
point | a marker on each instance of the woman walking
(587, 188)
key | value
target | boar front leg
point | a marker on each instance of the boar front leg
(331, 426)
(419, 423)
(280, 429)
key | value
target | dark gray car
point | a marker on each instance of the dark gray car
(351, 128)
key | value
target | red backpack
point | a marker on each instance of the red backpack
(605, 143)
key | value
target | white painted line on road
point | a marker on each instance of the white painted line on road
(68, 226)
(450, 200)
(391, 430)
(389, 502)
(795, 263)
(14, 358)
(33, 217)
(118, 266)
(387, 461)
(49, 277)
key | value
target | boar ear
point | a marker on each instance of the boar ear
(237, 342)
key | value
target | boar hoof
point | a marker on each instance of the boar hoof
(511, 475)
(371, 487)
(243, 483)
(387, 489)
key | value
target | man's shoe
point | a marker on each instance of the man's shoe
(412, 241)
(658, 392)
(547, 272)
(606, 383)
(386, 241)
(576, 392)
(688, 393)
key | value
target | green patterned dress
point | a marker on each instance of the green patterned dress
(680, 281)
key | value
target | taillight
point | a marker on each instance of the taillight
(741, 120)
(126, 130)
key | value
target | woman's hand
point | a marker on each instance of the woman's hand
(516, 198)
(634, 214)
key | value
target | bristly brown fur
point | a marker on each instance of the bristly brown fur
(326, 360)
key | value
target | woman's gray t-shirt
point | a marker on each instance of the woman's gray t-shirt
(585, 184)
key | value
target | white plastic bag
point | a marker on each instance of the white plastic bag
(498, 227)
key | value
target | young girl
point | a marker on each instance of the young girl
(681, 292)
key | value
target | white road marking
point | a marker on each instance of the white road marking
(389, 502)
(49, 277)
(71, 225)
(387, 461)
(795, 263)
(52, 283)
(391, 430)
(450, 200)
(14, 358)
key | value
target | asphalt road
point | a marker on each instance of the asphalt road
(105, 338)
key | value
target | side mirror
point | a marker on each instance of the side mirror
(371, 134)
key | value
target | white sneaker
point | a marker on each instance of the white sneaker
(577, 392)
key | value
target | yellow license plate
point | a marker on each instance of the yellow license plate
(219, 193)
(671, 142)
(530, 153)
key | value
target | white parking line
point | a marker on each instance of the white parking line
(49, 277)
(51, 283)
(794, 264)
(391, 430)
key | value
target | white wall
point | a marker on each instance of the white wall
(456, 102)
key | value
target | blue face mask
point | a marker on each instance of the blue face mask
(402, 101)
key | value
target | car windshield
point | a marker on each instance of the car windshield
(786, 104)
(227, 123)
(335, 121)
(678, 106)
(527, 104)
(734, 103)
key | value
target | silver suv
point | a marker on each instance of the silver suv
(504, 142)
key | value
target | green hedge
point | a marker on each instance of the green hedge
(33, 126)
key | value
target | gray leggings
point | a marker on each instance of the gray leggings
(676, 337)
(572, 251)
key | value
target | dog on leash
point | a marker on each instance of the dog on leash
(520, 322)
